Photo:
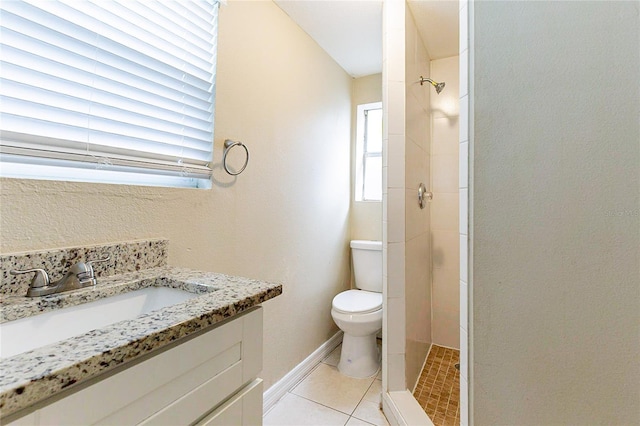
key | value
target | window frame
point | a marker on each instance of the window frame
(362, 151)
(26, 154)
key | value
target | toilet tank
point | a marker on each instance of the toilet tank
(367, 264)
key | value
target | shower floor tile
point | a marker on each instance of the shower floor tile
(438, 389)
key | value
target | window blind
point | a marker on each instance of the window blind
(108, 90)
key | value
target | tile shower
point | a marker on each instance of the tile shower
(438, 389)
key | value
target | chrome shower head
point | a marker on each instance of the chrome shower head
(438, 86)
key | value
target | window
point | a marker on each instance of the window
(118, 92)
(369, 152)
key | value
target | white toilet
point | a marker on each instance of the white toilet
(359, 312)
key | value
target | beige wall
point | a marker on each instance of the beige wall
(555, 229)
(285, 218)
(445, 242)
(366, 216)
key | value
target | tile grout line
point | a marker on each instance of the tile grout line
(445, 384)
(334, 409)
(349, 415)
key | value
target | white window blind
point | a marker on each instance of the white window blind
(369, 152)
(113, 91)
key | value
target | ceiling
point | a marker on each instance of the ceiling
(350, 31)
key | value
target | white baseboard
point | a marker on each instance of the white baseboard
(284, 385)
(401, 409)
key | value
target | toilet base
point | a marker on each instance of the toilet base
(360, 356)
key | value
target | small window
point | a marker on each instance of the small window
(108, 91)
(369, 152)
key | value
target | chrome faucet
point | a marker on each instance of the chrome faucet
(80, 275)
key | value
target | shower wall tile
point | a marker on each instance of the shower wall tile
(445, 104)
(463, 175)
(464, 211)
(417, 126)
(445, 205)
(397, 329)
(464, 30)
(446, 291)
(396, 122)
(418, 92)
(444, 211)
(411, 47)
(444, 246)
(464, 73)
(445, 136)
(446, 306)
(445, 173)
(464, 361)
(463, 258)
(417, 314)
(464, 294)
(396, 215)
(417, 219)
(396, 372)
(464, 401)
(417, 294)
(396, 171)
(464, 118)
(395, 17)
(447, 332)
(417, 165)
(395, 262)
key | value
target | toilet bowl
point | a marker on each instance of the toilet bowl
(358, 313)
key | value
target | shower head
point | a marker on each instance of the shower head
(438, 86)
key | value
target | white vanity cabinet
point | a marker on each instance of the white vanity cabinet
(210, 379)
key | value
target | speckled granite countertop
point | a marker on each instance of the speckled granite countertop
(35, 375)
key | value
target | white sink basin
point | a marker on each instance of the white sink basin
(29, 333)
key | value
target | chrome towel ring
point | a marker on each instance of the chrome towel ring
(228, 144)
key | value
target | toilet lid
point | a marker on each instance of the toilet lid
(357, 302)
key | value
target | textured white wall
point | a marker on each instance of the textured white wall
(366, 216)
(555, 213)
(285, 218)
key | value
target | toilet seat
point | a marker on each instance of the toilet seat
(357, 302)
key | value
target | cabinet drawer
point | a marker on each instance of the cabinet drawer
(225, 371)
(244, 408)
(219, 361)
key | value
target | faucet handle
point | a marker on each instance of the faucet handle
(99, 260)
(91, 262)
(40, 279)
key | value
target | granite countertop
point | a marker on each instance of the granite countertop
(35, 375)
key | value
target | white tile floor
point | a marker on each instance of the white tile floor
(327, 398)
